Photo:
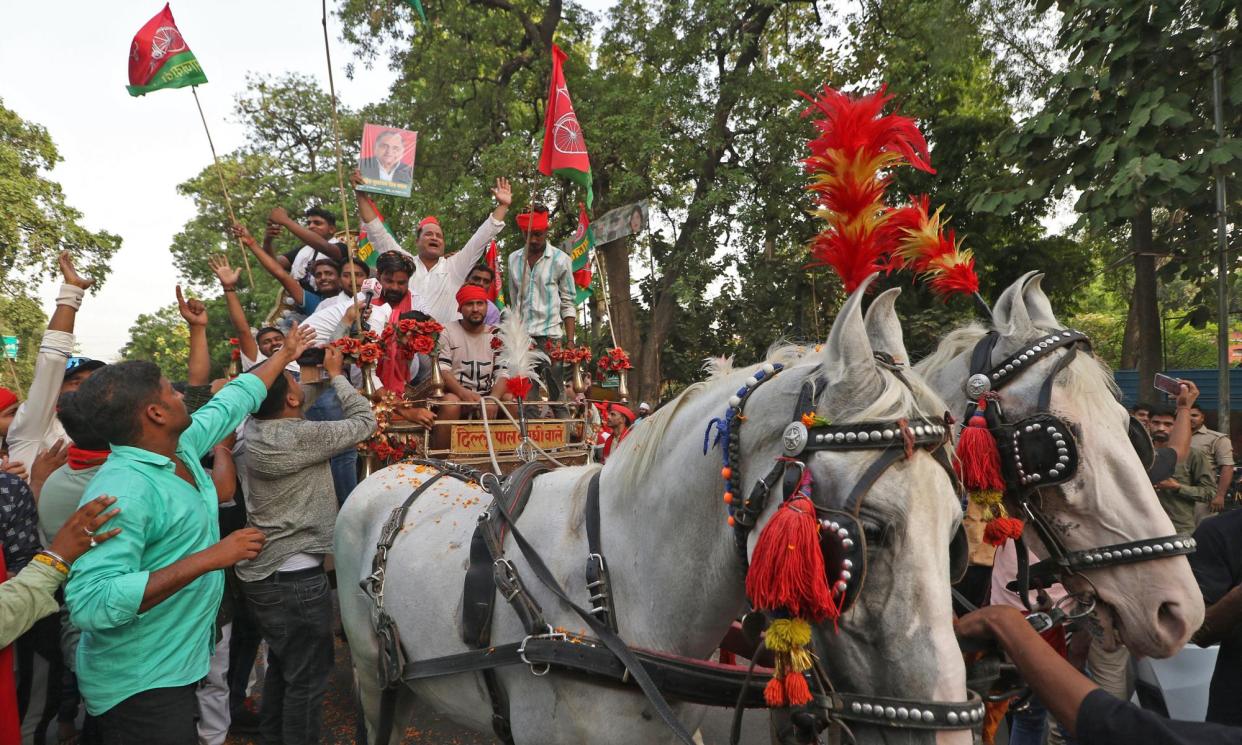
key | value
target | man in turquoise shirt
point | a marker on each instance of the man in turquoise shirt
(146, 601)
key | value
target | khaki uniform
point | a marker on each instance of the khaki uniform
(1198, 485)
(1218, 450)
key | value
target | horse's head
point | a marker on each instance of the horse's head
(875, 473)
(1107, 499)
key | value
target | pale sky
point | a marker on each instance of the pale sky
(65, 67)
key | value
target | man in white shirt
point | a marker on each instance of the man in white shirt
(436, 276)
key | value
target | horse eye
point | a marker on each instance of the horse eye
(874, 534)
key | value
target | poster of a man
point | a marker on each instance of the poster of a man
(386, 160)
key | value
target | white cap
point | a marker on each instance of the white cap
(644, 406)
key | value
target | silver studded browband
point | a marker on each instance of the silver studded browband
(797, 438)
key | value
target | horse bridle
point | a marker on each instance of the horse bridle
(842, 538)
(1040, 451)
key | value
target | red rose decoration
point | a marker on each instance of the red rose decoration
(369, 353)
(423, 344)
(497, 343)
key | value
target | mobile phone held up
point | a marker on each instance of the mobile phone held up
(1166, 384)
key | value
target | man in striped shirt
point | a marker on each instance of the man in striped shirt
(541, 289)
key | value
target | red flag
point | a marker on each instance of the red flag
(564, 147)
(160, 58)
(493, 263)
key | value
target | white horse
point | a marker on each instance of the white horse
(676, 577)
(1155, 605)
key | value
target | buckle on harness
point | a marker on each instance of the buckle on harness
(550, 635)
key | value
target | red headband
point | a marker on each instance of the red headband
(7, 398)
(469, 293)
(623, 411)
(530, 221)
(429, 220)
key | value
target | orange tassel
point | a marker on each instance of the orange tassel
(787, 569)
(774, 693)
(1001, 529)
(978, 459)
(797, 692)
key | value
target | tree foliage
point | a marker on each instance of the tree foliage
(21, 316)
(36, 224)
(163, 338)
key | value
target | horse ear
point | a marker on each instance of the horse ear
(1010, 314)
(884, 328)
(850, 363)
(1037, 304)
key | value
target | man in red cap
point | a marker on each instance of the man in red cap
(437, 276)
(542, 291)
(620, 419)
(468, 359)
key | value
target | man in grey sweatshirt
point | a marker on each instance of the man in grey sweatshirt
(292, 500)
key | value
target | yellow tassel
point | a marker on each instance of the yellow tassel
(799, 659)
(786, 634)
(987, 497)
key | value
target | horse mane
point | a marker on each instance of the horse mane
(1087, 379)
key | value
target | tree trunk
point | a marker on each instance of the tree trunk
(1129, 339)
(1146, 304)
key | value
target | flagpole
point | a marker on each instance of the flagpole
(227, 201)
(336, 135)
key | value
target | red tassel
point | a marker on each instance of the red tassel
(797, 692)
(787, 569)
(519, 386)
(978, 459)
(1001, 529)
(774, 693)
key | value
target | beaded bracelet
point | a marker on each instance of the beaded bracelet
(52, 560)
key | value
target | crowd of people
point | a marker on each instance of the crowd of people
(158, 531)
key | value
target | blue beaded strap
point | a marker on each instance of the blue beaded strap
(727, 424)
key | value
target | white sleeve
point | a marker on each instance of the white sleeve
(460, 263)
(34, 417)
(383, 241)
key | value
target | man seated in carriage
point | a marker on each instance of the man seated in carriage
(468, 355)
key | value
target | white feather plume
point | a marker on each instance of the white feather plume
(517, 358)
(717, 367)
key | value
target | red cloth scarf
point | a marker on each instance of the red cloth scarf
(394, 367)
(81, 459)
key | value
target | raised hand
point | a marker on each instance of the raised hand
(355, 178)
(333, 361)
(278, 215)
(192, 310)
(243, 234)
(49, 460)
(297, 341)
(79, 532)
(70, 273)
(502, 192)
(228, 276)
(272, 232)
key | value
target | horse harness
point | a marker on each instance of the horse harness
(1040, 451)
(604, 657)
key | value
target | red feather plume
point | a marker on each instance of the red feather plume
(931, 253)
(850, 159)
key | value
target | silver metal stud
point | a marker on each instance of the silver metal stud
(1178, 544)
(875, 435)
(890, 712)
(903, 712)
(1158, 548)
(846, 576)
(1126, 553)
(1146, 549)
(889, 434)
(838, 437)
(841, 586)
(848, 543)
(851, 436)
(856, 707)
(843, 533)
(1034, 477)
(1088, 559)
(1167, 546)
(952, 717)
(929, 716)
(864, 437)
(847, 564)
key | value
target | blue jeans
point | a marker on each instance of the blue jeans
(327, 408)
(1029, 726)
(294, 614)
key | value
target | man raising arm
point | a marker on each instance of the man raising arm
(146, 601)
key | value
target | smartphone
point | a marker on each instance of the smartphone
(1166, 384)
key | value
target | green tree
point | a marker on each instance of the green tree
(35, 222)
(21, 316)
(1128, 125)
(161, 337)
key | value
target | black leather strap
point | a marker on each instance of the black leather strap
(606, 636)
(599, 584)
(1049, 571)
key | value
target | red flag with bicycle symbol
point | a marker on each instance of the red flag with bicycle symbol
(564, 147)
(159, 58)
